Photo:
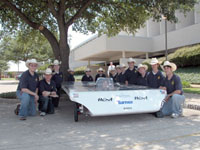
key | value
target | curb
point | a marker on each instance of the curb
(9, 101)
(192, 106)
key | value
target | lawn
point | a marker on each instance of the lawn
(7, 78)
(192, 90)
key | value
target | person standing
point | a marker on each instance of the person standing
(87, 77)
(175, 98)
(27, 90)
(58, 79)
(47, 93)
(113, 74)
(131, 73)
(122, 77)
(110, 67)
(155, 78)
(142, 77)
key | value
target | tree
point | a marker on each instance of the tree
(25, 45)
(103, 16)
(3, 63)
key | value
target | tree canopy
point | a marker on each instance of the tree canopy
(102, 16)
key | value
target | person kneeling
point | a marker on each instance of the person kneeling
(175, 98)
(47, 94)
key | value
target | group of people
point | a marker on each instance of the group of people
(47, 91)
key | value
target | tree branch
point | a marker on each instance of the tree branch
(52, 8)
(78, 13)
(21, 15)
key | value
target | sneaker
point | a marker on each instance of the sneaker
(42, 114)
(22, 118)
(174, 115)
(16, 111)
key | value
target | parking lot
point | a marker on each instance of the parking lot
(60, 132)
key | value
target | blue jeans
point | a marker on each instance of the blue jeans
(28, 107)
(173, 105)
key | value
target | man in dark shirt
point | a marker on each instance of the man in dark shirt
(113, 74)
(175, 98)
(58, 79)
(87, 77)
(71, 76)
(100, 73)
(27, 90)
(131, 73)
(142, 77)
(155, 78)
(122, 77)
(47, 92)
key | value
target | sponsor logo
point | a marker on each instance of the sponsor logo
(127, 108)
(172, 82)
(124, 102)
(105, 99)
(141, 98)
(75, 95)
(158, 77)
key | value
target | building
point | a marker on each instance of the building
(148, 42)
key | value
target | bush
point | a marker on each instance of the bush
(9, 95)
(185, 84)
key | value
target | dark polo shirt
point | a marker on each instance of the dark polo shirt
(58, 79)
(71, 78)
(44, 86)
(131, 76)
(142, 80)
(173, 84)
(114, 77)
(98, 75)
(87, 78)
(28, 81)
(121, 78)
(155, 81)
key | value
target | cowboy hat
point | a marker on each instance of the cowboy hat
(154, 61)
(48, 71)
(100, 69)
(56, 62)
(87, 70)
(70, 70)
(118, 66)
(172, 65)
(122, 66)
(31, 61)
(131, 60)
(142, 66)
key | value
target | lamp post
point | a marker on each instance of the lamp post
(166, 51)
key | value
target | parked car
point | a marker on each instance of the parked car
(18, 76)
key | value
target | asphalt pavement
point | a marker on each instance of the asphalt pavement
(59, 131)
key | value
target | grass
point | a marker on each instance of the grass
(192, 90)
(7, 79)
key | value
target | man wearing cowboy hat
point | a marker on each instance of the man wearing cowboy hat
(118, 71)
(122, 78)
(113, 74)
(142, 77)
(155, 77)
(58, 79)
(71, 76)
(47, 92)
(87, 77)
(131, 73)
(100, 73)
(175, 98)
(27, 90)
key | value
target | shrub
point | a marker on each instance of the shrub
(185, 84)
(9, 95)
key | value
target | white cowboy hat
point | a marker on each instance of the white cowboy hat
(56, 62)
(172, 65)
(118, 66)
(87, 70)
(154, 61)
(100, 69)
(70, 70)
(122, 66)
(48, 71)
(31, 61)
(131, 60)
(142, 66)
